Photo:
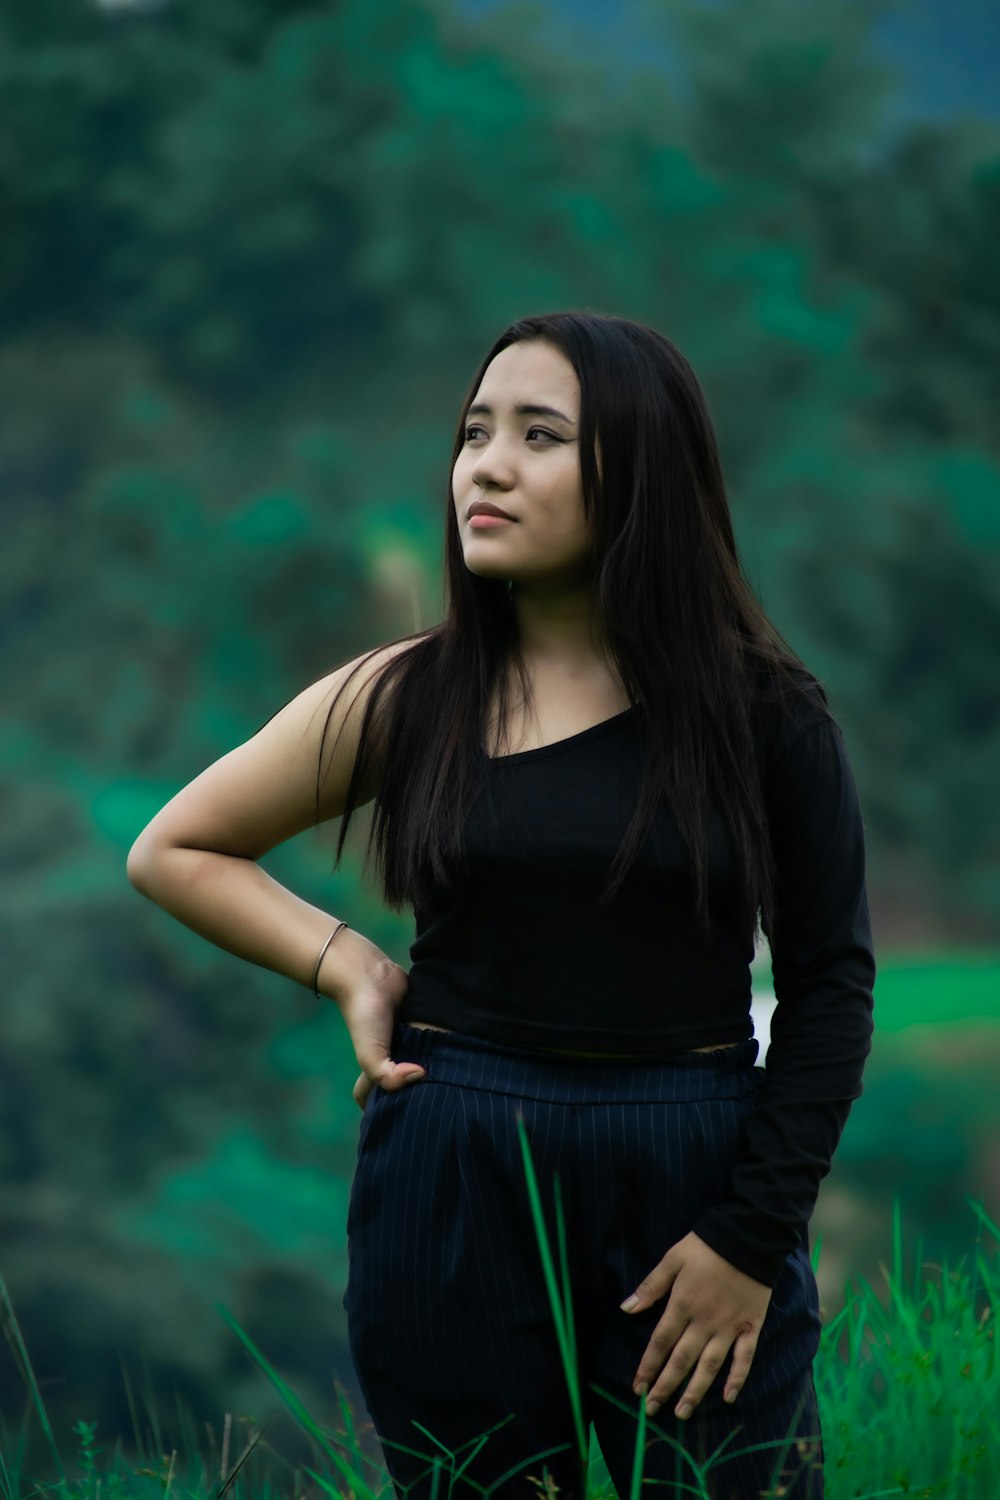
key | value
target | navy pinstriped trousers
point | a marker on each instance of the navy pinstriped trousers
(448, 1311)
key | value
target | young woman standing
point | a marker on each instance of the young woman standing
(596, 782)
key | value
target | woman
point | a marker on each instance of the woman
(597, 782)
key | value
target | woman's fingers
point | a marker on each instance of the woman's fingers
(744, 1350)
(685, 1358)
(392, 1081)
(713, 1357)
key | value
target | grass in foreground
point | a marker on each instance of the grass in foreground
(908, 1393)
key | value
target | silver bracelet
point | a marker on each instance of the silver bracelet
(315, 978)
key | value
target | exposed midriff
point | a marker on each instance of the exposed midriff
(563, 1052)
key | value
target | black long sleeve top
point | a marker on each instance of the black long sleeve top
(516, 952)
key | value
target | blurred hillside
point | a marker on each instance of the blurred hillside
(944, 55)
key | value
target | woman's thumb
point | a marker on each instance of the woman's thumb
(397, 1075)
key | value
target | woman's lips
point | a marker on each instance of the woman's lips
(483, 521)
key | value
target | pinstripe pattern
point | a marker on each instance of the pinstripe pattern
(448, 1314)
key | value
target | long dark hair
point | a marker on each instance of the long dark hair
(691, 644)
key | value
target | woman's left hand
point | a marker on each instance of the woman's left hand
(713, 1307)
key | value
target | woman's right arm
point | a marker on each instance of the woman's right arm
(197, 857)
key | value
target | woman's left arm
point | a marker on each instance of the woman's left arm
(721, 1274)
(823, 962)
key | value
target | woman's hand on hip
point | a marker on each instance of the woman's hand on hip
(369, 1012)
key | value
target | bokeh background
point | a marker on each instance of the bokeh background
(250, 254)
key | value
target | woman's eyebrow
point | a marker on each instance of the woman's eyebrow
(524, 410)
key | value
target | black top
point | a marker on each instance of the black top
(517, 955)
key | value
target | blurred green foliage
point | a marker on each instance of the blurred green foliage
(252, 253)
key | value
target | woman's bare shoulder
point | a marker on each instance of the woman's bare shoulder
(264, 791)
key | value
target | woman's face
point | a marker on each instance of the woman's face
(528, 464)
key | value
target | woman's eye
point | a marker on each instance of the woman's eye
(476, 428)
